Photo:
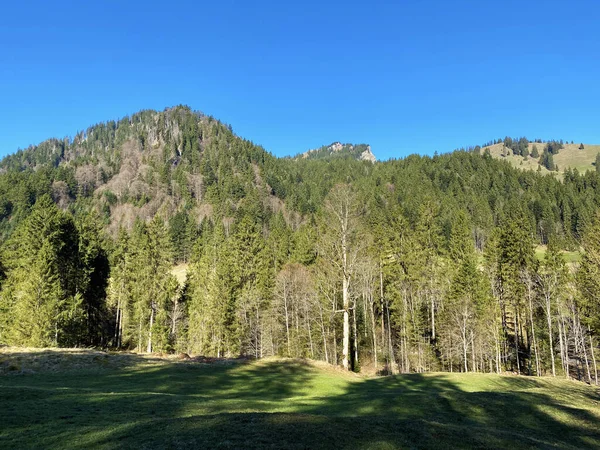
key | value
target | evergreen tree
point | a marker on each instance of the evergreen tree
(40, 292)
(515, 256)
(588, 277)
(547, 160)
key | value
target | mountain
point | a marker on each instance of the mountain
(432, 259)
(177, 162)
(188, 167)
(360, 152)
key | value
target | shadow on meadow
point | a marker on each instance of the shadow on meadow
(286, 404)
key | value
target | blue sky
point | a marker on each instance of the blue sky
(405, 76)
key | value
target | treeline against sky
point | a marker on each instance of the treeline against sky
(424, 263)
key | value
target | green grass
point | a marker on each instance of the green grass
(142, 402)
(568, 157)
(180, 272)
(569, 257)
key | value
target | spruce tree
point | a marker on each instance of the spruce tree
(40, 290)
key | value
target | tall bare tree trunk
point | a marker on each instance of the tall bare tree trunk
(140, 336)
(538, 367)
(391, 348)
(287, 322)
(346, 335)
(593, 357)
(517, 340)
(149, 348)
(118, 325)
(562, 346)
(355, 341)
(312, 348)
(465, 344)
(587, 363)
(550, 338)
(175, 314)
(373, 328)
(335, 349)
(324, 334)
(382, 309)
(432, 315)
(474, 368)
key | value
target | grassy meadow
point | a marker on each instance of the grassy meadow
(88, 399)
(570, 257)
(569, 156)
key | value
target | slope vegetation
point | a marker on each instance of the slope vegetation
(571, 156)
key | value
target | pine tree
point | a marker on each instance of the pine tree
(92, 279)
(588, 277)
(515, 256)
(119, 298)
(40, 290)
(210, 288)
(152, 285)
(552, 280)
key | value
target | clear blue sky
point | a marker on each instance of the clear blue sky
(405, 76)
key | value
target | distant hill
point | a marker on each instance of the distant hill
(570, 156)
(361, 152)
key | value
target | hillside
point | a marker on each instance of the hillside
(361, 152)
(571, 156)
(83, 399)
(167, 232)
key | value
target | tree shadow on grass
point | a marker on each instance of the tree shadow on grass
(282, 404)
(517, 415)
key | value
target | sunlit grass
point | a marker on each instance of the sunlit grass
(146, 402)
(569, 257)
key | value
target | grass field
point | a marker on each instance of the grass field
(569, 257)
(86, 399)
(569, 156)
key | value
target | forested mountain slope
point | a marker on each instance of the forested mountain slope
(423, 262)
(339, 150)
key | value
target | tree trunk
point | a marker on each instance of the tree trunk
(562, 349)
(517, 340)
(465, 344)
(391, 348)
(310, 341)
(140, 336)
(550, 339)
(324, 334)
(587, 363)
(355, 341)
(287, 322)
(593, 357)
(149, 348)
(474, 368)
(535, 350)
(382, 310)
(373, 327)
(346, 335)
(117, 323)
(432, 316)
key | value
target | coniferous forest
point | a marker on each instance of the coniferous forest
(456, 262)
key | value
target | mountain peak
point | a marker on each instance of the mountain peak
(338, 150)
